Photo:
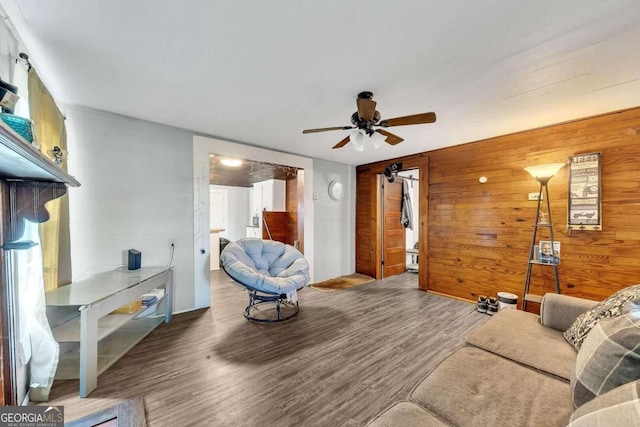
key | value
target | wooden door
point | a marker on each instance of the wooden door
(393, 233)
(219, 209)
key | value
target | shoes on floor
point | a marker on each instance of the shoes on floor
(482, 305)
(492, 306)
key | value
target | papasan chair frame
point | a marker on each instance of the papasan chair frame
(272, 273)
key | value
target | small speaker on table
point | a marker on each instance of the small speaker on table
(135, 259)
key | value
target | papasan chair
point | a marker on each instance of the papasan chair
(272, 272)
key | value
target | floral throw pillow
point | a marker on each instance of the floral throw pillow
(613, 306)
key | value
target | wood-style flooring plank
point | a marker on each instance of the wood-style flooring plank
(346, 356)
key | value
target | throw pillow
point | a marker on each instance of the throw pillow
(619, 407)
(610, 307)
(608, 358)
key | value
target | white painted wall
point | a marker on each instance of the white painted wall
(136, 193)
(142, 183)
(334, 220)
(239, 211)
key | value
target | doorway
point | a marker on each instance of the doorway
(202, 146)
(250, 198)
(399, 234)
(411, 178)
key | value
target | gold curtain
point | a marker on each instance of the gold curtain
(50, 131)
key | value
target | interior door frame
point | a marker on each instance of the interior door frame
(202, 146)
(417, 161)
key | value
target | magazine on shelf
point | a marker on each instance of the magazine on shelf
(150, 301)
(549, 252)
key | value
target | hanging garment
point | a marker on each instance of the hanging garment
(407, 212)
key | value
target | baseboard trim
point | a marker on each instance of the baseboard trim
(452, 297)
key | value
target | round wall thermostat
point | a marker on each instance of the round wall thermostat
(336, 190)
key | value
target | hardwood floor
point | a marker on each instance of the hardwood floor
(345, 357)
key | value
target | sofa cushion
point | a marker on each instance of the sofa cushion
(609, 357)
(519, 336)
(559, 311)
(473, 387)
(405, 414)
(619, 407)
(610, 307)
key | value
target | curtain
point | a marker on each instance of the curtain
(39, 347)
(54, 234)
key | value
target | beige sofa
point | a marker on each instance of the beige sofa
(514, 371)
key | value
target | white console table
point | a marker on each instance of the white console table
(92, 343)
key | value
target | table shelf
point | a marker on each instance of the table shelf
(110, 349)
(92, 337)
(70, 331)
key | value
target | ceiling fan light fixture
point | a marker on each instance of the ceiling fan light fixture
(364, 120)
(357, 138)
(377, 139)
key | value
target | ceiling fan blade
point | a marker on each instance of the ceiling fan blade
(326, 129)
(391, 138)
(341, 143)
(415, 119)
(366, 109)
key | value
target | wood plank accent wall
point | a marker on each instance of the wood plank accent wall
(300, 195)
(365, 224)
(291, 197)
(294, 200)
(278, 226)
(478, 235)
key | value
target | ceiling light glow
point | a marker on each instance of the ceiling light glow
(232, 163)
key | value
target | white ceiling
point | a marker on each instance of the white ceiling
(259, 72)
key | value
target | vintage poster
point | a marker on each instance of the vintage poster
(584, 210)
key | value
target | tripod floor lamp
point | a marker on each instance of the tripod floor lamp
(542, 173)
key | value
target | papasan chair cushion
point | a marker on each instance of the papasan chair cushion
(266, 266)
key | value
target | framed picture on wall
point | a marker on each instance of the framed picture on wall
(584, 205)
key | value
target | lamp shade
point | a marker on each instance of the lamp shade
(544, 172)
(356, 138)
(377, 139)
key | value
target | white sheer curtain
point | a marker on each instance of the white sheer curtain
(36, 340)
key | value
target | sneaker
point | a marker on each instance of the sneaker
(492, 306)
(482, 305)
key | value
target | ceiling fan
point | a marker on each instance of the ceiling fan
(367, 117)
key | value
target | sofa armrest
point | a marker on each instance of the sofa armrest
(560, 311)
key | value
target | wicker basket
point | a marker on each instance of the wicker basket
(21, 125)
